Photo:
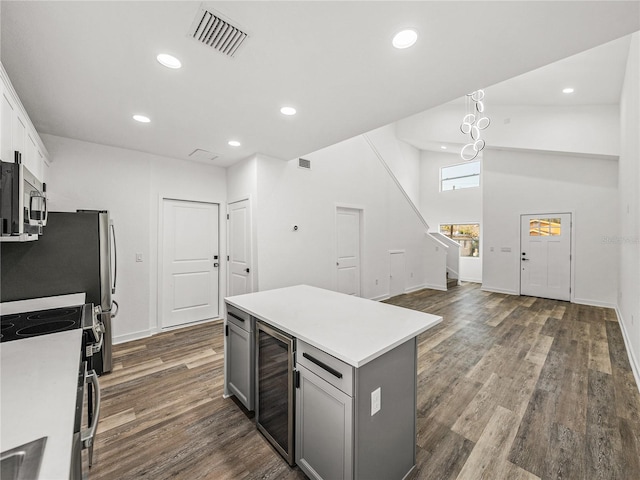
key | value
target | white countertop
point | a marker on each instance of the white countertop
(38, 383)
(352, 329)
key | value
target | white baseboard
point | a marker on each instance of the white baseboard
(415, 288)
(635, 365)
(380, 298)
(471, 280)
(129, 337)
(593, 303)
(435, 287)
(485, 288)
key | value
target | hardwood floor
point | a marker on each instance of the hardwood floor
(508, 388)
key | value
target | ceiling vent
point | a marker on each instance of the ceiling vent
(304, 163)
(201, 155)
(210, 29)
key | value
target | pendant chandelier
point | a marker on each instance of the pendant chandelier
(472, 124)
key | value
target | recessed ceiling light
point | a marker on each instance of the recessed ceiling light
(567, 90)
(443, 147)
(288, 111)
(234, 143)
(168, 61)
(404, 39)
(141, 118)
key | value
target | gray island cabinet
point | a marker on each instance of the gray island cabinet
(354, 374)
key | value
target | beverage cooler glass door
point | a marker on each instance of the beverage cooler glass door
(274, 409)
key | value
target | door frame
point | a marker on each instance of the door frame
(572, 266)
(254, 264)
(361, 220)
(160, 260)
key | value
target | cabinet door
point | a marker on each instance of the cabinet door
(239, 364)
(19, 135)
(7, 112)
(324, 429)
(30, 156)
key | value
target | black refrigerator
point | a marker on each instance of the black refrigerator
(76, 253)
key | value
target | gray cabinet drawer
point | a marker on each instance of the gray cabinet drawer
(327, 367)
(240, 318)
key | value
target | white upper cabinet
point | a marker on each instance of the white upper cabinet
(17, 133)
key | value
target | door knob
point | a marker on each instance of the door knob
(215, 265)
(247, 270)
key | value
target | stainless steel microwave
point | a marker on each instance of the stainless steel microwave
(23, 202)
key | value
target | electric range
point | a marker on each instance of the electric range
(22, 325)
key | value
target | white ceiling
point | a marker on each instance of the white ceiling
(596, 75)
(83, 68)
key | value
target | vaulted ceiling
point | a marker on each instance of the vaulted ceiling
(82, 69)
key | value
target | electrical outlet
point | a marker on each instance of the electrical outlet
(376, 281)
(375, 401)
(491, 249)
(138, 257)
(411, 274)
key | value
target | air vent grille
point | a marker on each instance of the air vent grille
(304, 163)
(210, 29)
(202, 155)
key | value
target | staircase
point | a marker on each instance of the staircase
(451, 282)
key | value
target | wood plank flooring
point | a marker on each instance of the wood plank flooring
(513, 388)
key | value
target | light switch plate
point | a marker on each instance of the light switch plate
(375, 401)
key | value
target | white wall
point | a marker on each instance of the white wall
(401, 158)
(629, 206)
(346, 174)
(585, 129)
(520, 183)
(453, 206)
(130, 185)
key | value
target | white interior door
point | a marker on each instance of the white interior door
(240, 271)
(348, 250)
(396, 273)
(189, 262)
(545, 256)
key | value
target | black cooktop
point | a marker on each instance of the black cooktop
(31, 324)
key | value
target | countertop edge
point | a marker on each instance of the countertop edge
(350, 361)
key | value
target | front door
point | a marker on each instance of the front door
(348, 250)
(240, 273)
(545, 256)
(190, 259)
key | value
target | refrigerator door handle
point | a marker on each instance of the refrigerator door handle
(115, 257)
(114, 313)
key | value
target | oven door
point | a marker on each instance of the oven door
(87, 436)
(83, 438)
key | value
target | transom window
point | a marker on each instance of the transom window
(467, 235)
(463, 175)
(545, 227)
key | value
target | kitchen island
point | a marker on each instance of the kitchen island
(354, 371)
